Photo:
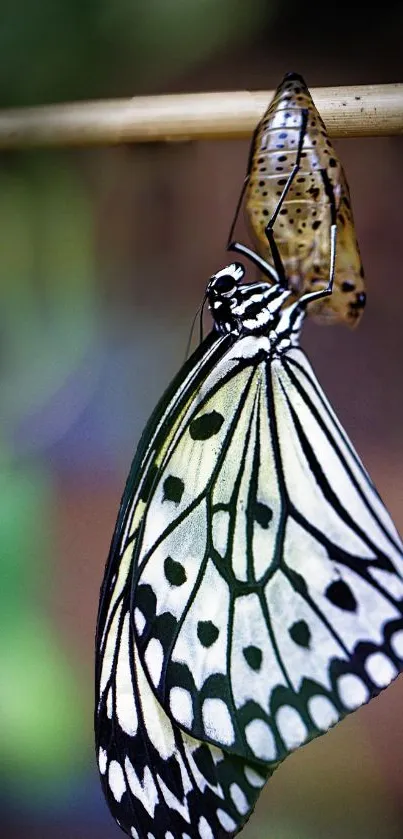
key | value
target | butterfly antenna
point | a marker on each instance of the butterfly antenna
(198, 313)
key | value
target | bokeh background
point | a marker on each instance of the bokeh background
(104, 257)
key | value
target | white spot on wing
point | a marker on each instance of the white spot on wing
(220, 526)
(261, 740)
(396, 643)
(158, 726)
(253, 778)
(125, 704)
(352, 690)
(380, 669)
(205, 830)
(217, 721)
(180, 703)
(323, 712)
(291, 726)
(172, 801)
(225, 820)
(145, 791)
(154, 658)
(139, 621)
(239, 798)
(116, 780)
(134, 833)
(109, 704)
(102, 761)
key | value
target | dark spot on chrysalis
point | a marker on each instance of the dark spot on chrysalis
(174, 572)
(332, 162)
(173, 489)
(340, 594)
(360, 300)
(316, 224)
(347, 286)
(206, 426)
(204, 761)
(262, 514)
(315, 192)
(207, 633)
(300, 634)
(253, 656)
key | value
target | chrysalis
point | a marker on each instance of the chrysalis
(292, 133)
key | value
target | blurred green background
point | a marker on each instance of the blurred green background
(104, 257)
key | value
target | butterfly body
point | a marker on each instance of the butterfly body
(302, 226)
(253, 593)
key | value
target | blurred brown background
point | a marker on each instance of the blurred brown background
(104, 257)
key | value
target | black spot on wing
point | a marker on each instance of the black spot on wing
(340, 594)
(253, 656)
(262, 514)
(300, 633)
(174, 572)
(173, 489)
(207, 633)
(206, 426)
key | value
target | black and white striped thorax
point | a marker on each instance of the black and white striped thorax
(253, 308)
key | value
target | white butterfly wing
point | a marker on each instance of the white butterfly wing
(268, 592)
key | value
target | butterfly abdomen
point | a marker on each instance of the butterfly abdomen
(302, 228)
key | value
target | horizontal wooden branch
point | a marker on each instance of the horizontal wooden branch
(355, 111)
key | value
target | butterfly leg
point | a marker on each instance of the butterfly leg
(324, 292)
(261, 263)
(244, 185)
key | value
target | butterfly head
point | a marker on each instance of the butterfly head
(243, 308)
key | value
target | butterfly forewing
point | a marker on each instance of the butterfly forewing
(302, 228)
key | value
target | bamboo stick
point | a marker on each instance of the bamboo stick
(355, 111)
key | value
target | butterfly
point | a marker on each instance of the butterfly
(253, 594)
(292, 136)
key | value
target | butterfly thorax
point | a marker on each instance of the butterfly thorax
(242, 309)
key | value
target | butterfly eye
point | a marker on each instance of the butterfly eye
(225, 285)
